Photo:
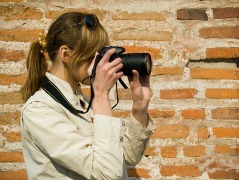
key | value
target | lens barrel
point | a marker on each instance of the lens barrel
(136, 61)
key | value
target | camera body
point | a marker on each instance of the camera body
(131, 61)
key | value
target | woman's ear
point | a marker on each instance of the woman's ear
(64, 53)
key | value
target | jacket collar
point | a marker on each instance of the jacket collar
(65, 88)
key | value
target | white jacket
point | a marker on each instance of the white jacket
(59, 145)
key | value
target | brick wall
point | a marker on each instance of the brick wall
(195, 87)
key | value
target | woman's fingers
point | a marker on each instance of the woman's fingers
(116, 65)
(107, 71)
(112, 70)
(109, 68)
(107, 56)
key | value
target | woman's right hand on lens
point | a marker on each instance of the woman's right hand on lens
(107, 73)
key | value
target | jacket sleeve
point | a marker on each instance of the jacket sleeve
(95, 157)
(136, 140)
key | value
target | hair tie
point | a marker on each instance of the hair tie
(42, 42)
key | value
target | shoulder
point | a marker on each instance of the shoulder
(41, 99)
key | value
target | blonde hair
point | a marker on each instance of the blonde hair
(82, 42)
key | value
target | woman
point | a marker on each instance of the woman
(58, 144)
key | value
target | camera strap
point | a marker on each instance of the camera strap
(57, 95)
(51, 89)
(122, 83)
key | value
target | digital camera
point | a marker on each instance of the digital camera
(131, 61)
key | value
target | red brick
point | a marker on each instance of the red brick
(10, 118)
(155, 53)
(138, 172)
(220, 32)
(51, 14)
(13, 175)
(12, 136)
(169, 152)
(220, 52)
(192, 14)
(6, 98)
(125, 15)
(11, 157)
(181, 171)
(203, 132)
(7, 80)
(20, 35)
(156, 113)
(14, 55)
(222, 93)
(167, 71)
(193, 114)
(194, 151)
(214, 73)
(225, 113)
(144, 35)
(226, 174)
(228, 12)
(178, 93)
(149, 151)
(216, 164)
(225, 149)
(18, 11)
(221, 132)
(171, 131)
(122, 114)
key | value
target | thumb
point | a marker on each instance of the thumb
(134, 81)
(135, 76)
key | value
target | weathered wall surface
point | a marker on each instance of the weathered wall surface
(195, 87)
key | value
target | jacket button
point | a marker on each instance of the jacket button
(123, 123)
(121, 139)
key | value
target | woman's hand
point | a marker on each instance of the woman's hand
(107, 73)
(140, 87)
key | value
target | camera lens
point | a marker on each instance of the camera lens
(136, 61)
(148, 64)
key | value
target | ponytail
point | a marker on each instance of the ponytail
(36, 67)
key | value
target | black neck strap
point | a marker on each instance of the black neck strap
(57, 95)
